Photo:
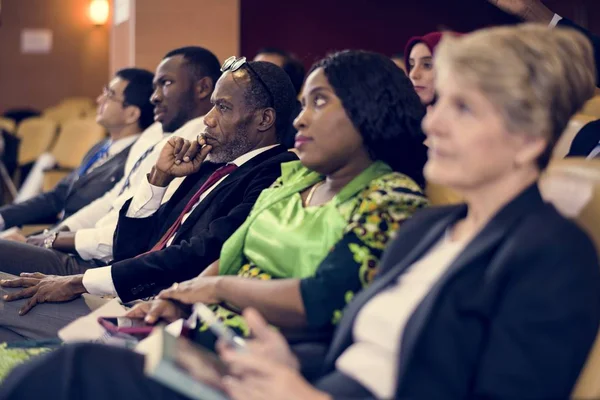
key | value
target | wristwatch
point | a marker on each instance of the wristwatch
(49, 240)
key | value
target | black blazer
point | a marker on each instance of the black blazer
(586, 140)
(513, 317)
(595, 39)
(70, 194)
(199, 240)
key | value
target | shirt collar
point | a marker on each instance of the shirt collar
(119, 145)
(241, 160)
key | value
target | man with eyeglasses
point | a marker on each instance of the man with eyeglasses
(226, 169)
(181, 97)
(125, 111)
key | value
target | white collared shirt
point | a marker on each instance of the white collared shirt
(115, 148)
(98, 281)
(97, 242)
(555, 20)
(90, 214)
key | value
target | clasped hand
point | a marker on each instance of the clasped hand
(180, 157)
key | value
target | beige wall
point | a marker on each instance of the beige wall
(157, 26)
(76, 66)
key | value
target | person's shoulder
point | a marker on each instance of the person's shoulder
(394, 186)
(547, 233)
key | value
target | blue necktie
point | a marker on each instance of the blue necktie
(99, 156)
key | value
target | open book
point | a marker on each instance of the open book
(183, 366)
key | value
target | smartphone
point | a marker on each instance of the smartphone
(222, 331)
(129, 326)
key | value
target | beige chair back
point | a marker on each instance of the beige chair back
(441, 196)
(592, 107)
(37, 135)
(573, 186)
(8, 124)
(75, 138)
(65, 112)
(575, 124)
(83, 102)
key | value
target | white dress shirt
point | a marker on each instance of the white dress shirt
(90, 214)
(97, 242)
(372, 359)
(555, 20)
(147, 200)
(46, 160)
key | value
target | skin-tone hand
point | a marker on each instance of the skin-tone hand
(40, 288)
(266, 341)
(202, 289)
(154, 310)
(36, 240)
(259, 373)
(528, 10)
(179, 157)
(16, 237)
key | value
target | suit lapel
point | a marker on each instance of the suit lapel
(431, 234)
(224, 186)
(82, 180)
(489, 238)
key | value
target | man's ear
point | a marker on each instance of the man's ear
(132, 115)
(204, 88)
(266, 119)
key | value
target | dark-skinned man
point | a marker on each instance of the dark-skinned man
(158, 246)
(183, 84)
(124, 110)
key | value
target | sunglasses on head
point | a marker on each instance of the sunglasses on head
(234, 63)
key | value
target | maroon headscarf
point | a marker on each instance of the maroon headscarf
(431, 40)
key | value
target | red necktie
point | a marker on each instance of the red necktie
(214, 178)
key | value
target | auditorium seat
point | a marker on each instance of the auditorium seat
(37, 135)
(7, 124)
(575, 124)
(440, 195)
(573, 186)
(64, 112)
(75, 138)
(592, 107)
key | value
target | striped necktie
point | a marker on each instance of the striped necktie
(210, 182)
(135, 167)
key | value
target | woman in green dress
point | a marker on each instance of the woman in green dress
(315, 237)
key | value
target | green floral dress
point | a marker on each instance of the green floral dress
(333, 249)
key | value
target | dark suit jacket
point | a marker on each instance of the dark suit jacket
(513, 317)
(198, 242)
(586, 140)
(70, 194)
(595, 39)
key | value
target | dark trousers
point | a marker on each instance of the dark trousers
(18, 257)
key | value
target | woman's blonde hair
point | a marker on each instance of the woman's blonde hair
(537, 77)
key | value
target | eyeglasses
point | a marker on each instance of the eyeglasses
(233, 64)
(109, 94)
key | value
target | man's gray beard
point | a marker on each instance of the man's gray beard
(238, 147)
